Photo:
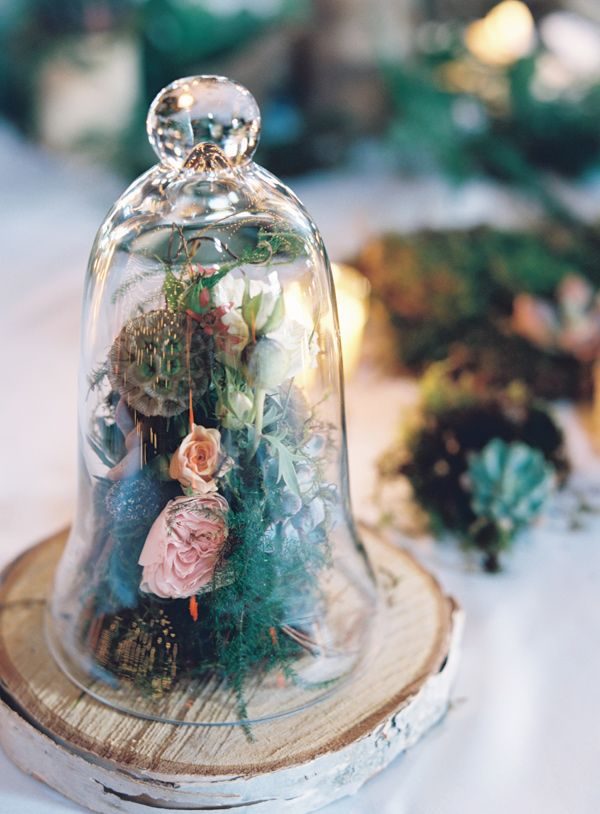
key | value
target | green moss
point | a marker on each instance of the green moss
(458, 420)
(452, 292)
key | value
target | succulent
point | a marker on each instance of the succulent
(480, 460)
(437, 453)
(510, 483)
(155, 360)
(570, 324)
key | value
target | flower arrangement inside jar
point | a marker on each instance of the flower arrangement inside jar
(213, 542)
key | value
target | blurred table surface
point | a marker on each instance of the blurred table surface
(522, 732)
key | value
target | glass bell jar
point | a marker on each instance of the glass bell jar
(213, 574)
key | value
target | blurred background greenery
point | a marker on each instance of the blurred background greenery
(459, 87)
(450, 151)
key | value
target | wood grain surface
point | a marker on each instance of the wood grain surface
(113, 762)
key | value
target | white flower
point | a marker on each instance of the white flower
(235, 410)
(297, 343)
(268, 364)
(229, 294)
(301, 344)
(229, 291)
(237, 331)
(270, 292)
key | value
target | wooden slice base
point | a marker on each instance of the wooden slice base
(110, 762)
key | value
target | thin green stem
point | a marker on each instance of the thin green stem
(259, 408)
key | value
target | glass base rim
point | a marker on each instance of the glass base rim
(63, 663)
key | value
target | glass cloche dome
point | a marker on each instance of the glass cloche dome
(213, 574)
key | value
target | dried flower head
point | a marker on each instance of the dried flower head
(155, 360)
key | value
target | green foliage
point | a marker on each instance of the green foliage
(281, 242)
(240, 630)
(453, 114)
(251, 307)
(285, 462)
(423, 130)
(174, 289)
(123, 574)
(453, 291)
(136, 278)
(246, 616)
(271, 246)
(479, 459)
(97, 376)
(243, 623)
(182, 284)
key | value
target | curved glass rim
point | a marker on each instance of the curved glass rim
(364, 652)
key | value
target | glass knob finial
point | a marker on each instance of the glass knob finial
(201, 109)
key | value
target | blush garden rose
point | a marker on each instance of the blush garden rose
(199, 460)
(184, 546)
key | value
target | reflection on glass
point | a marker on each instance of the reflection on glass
(213, 574)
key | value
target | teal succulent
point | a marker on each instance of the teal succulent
(510, 484)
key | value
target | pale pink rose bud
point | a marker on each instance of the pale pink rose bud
(198, 460)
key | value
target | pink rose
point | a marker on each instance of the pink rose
(574, 327)
(575, 294)
(183, 546)
(535, 320)
(199, 460)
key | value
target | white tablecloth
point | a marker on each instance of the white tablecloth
(522, 733)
